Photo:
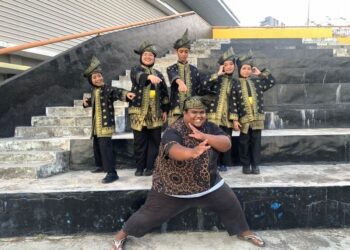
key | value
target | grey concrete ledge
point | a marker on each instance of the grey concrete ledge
(271, 176)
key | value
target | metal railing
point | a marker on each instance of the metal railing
(88, 33)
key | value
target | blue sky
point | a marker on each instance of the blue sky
(291, 12)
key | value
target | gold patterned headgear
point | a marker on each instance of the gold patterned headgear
(198, 102)
(246, 59)
(95, 66)
(194, 102)
(228, 55)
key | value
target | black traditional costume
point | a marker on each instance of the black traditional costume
(220, 110)
(187, 73)
(248, 104)
(145, 112)
(103, 125)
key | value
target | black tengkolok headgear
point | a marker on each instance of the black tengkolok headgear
(228, 55)
(245, 59)
(94, 67)
(146, 46)
(183, 42)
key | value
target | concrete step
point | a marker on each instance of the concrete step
(209, 43)
(78, 111)
(122, 84)
(163, 63)
(300, 239)
(51, 131)
(278, 51)
(32, 164)
(68, 111)
(19, 144)
(268, 41)
(117, 104)
(33, 170)
(39, 121)
(28, 156)
(281, 197)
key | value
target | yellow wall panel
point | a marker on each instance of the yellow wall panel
(290, 32)
(343, 40)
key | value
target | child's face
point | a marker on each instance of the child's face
(246, 71)
(182, 54)
(97, 79)
(147, 58)
(229, 67)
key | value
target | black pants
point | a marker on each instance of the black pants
(250, 147)
(103, 152)
(159, 208)
(146, 146)
(225, 158)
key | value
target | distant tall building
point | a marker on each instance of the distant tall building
(271, 22)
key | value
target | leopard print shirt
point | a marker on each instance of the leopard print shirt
(192, 176)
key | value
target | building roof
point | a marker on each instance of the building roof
(35, 20)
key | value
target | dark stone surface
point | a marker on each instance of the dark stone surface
(311, 74)
(296, 149)
(305, 116)
(289, 60)
(305, 149)
(344, 93)
(82, 212)
(306, 94)
(286, 73)
(58, 81)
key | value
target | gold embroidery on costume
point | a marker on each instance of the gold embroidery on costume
(252, 118)
(221, 116)
(185, 75)
(148, 115)
(98, 129)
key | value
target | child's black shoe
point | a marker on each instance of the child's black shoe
(110, 177)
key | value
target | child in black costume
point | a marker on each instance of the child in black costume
(248, 101)
(103, 126)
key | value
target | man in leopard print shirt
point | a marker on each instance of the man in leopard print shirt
(186, 176)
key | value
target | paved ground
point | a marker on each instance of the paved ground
(330, 239)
